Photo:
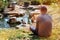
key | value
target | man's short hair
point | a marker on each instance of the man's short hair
(43, 8)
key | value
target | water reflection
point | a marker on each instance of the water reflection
(4, 24)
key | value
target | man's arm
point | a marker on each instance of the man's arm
(38, 21)
(37, 24)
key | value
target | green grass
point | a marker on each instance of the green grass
(15, 34)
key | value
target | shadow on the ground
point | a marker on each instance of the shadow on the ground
(35, 37)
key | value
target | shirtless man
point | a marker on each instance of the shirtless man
(43, 24)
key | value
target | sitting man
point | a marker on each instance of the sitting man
(43, 24)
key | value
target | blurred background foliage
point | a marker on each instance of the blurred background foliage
(3, 4)
(45, 2)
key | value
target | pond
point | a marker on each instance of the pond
(4, 24)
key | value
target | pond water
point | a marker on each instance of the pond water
(4, 24)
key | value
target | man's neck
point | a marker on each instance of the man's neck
(43, 14)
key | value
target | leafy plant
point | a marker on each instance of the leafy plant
(3, 4)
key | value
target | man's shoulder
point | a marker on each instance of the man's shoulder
(39, 17)
(49, 16)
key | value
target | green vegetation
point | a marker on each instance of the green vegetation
(47, 2)
(3, 4)
(19, 34)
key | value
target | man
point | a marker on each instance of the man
(43, 24)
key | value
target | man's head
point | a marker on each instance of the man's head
(43, 10)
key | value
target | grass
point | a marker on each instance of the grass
(20, 34)
(17, 34)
